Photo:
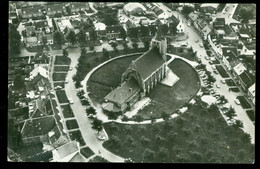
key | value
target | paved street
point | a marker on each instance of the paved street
(223, 90)
(88, 134)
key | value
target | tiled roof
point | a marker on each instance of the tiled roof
(193, 16)
(40, 24)
(123, 92)
(246, 79)
(67, 149)
(227, 50)
(114, 29)
(219, 22)
(148, 62)
(173, 20)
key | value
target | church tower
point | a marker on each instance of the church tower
(161, 42)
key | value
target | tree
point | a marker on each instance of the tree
(72, 37)
(123, 33)
(238, 124)
(105, 52)
(146, 44)
(230, 113)
(97, 124)
(57, 37)
(82, 36)
(54, 24)
(148, 155)
(245, 14)
(114, 45)
(135, 45)
(187, 10)
(18, 82)
(90, 111)
(138, 118)
(14, 40)
(125, 45)
(163, 153)
(44, 40)
(125, 118)
(65, 53)
(109, 20)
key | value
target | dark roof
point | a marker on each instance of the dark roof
(219, 22)
(32, 9)
(55, 7)
(193, 16)
(227, 29)
(173, 21)
(129, 24)
(79, 5)
(202, 23)
(40, 24)
(227, 50)
(123, 92)
(246, 79)
(115, 28)
(148, 62)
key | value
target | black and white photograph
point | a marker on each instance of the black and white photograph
(131, 82)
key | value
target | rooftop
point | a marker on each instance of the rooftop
(193, 16)
(252, 90)
(239, 69)
(123, 92)
(246, 79)
(148, 62)
(213, 5)
(67, 149)
(100, 26)
(132, 6)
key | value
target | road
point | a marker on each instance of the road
(88, 134)
(223, 90)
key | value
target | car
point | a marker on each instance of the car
(201, 45)
(70, 100)
(92, 116)
(210, 62)
(169, 10)
(57, 87)
(197, 41)
(237, 101)
(101, 137)
(217, 85)
(111, 41)
(188, 24)
(66, 80)
(70, 68)
(206, 57)
(100, 41)
(223, 81)
(215, 71)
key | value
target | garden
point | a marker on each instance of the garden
(244, 103)
(222, 71)
(76, 135)
(201, 135)
(62, 60)
(86, 152)
(59, 76)
(62, 97)
(61, 68)
(72, 124)
(67, 111)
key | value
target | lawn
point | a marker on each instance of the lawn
(251, 114)
(26, 151)
(72, 124)
(98, 91)
(198, 136)
(62, 97)
(61, 68)
(86, 152)
(61, 60)
(38, 48)
(230, 82)
(234, 89)
(182, 91)
(67, 111)
(183, 52)
(222, 71)
(58, 84)
(76, 135)
(244, 102)
(59, 76)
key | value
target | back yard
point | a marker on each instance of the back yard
(67, 111)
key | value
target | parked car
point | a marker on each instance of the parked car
(201, 45)
(101, 137)
(237, 101)
(217, 85)
(210, 62)
(100, 41)
(71, 101)
(70, 68)
(223, 81)
(66, 80)
(206, 57)
(215, 71)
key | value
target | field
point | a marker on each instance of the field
(222, 71)
(72, 124)
(76, 135)
(62, 97)
(197, 136)
(67, 111)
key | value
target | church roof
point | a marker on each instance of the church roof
(123, 92)
(149, 62)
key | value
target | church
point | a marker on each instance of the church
(140, 78)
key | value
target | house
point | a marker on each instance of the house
(140, 78)
(251, 93)
(230, 59)
(133, 8)
(245, 81)
(176, 23)
(100, 29)
(209, 7)
(219, 23)
(28, 12)
(31, 41)
(62, 24)
(203, 27)
(39, 71)
(229, 33)
(65, 152)
(238, 70)
(79, 6)
(55, 9)
(114, 31)
(192, 17)
(40, 26)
